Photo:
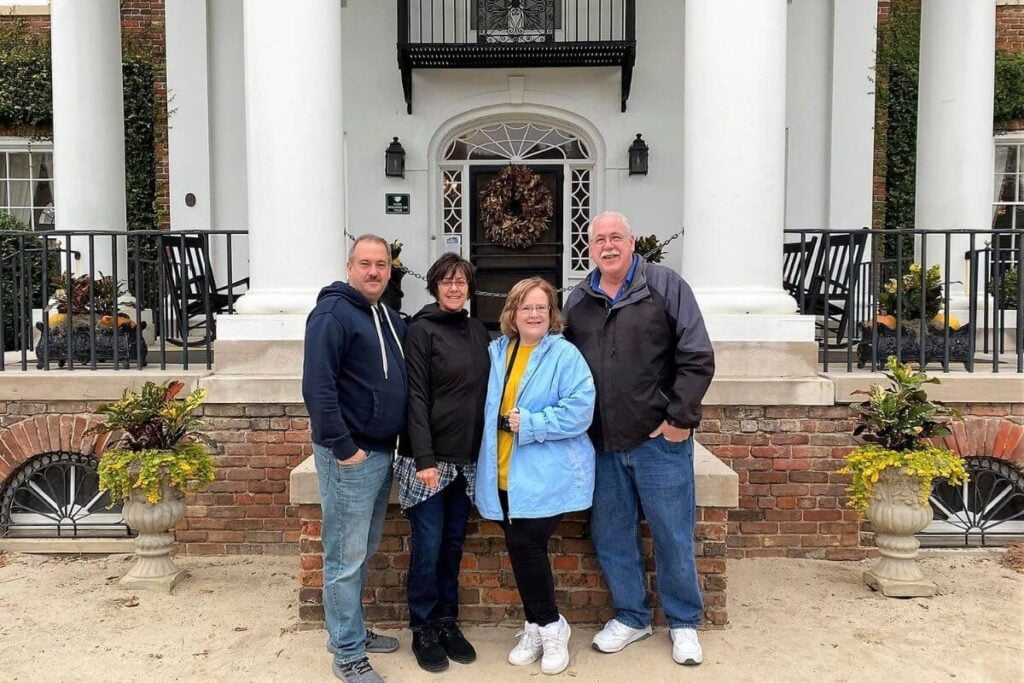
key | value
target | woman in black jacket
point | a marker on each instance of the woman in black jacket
(447, 366)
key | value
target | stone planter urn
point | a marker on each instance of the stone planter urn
(896, 514)
(154, 569)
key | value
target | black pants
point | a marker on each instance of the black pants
(527, 543)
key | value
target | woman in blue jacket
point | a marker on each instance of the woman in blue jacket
(536, 461)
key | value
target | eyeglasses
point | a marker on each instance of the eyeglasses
(451, 284)
(614, 238)
(536, 308)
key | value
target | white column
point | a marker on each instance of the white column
(808, 82)
(954, 127)
(852, 141)
(188, 135)
(734, 138)
(227, 133)
(88, 125)
(294, 153)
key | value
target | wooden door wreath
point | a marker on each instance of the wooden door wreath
(516, 207)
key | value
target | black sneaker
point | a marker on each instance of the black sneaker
(454, 643)
(358, 671)
(429, 653)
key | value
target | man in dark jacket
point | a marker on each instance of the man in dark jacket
(639, 327)
(353, 383)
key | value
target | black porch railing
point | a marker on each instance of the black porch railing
(160, 294)
(877, 293)
(467, 34)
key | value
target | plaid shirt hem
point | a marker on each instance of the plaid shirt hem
(412, 491)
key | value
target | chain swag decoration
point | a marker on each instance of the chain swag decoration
(516, 207)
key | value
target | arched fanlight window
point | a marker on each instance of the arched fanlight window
(986, 510)
(516, 142)
(57, 495)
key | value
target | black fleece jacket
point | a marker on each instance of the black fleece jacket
(447, 363)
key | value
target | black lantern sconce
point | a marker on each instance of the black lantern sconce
(394, 160)
(638, 152)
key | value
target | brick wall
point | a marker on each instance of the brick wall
(487, 585)
(792, 499)
(1010, 28)
(246, 509)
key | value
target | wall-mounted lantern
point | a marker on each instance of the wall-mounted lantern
(638, 152)
(394, 160)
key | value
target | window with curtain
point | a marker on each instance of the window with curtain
(26, 182)
(1008, 188)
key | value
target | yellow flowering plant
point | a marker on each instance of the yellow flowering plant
(157, 443)
(895, 421)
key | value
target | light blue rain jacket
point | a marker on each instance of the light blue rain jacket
(552, 467)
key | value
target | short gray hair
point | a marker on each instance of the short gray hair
(621, 217)
(368, 237)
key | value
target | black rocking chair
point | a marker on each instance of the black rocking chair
(191, 294)
(832, 278)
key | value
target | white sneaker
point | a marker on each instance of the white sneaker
(615, 636)
(529, 648)
(685, 646)
(555, 640)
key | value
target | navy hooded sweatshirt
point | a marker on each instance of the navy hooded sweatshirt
(353, 373)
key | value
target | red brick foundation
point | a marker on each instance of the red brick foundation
(792, 500)
(487, 586)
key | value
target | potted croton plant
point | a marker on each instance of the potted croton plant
(84, 316)
(905, 325)
(156, 455)
(893, 474)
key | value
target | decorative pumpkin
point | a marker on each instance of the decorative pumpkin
(886, 320)
(940, 321)
(122, 320)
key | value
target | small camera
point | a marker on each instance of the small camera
(503, 423)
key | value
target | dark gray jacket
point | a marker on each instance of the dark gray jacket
(649, 353)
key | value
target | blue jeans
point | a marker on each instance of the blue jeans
(438, 531)
(655, 480)
(354, 499)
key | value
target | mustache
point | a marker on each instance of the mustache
(611, 252)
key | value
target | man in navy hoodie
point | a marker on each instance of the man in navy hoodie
(353, 383)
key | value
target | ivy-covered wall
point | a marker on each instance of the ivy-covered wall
(899, 28)
(25, 99)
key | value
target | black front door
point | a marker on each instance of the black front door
(498, 267)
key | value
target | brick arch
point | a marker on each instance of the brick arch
(45, 434)
(996, 437)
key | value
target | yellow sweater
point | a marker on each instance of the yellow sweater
(506, 440)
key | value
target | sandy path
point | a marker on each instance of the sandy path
(63, 619)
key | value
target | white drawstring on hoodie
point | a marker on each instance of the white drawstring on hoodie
(378, 310)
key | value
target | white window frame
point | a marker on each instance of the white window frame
(9, 145)
(1015, 138)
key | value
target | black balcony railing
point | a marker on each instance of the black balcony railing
(159, 296)
(878, 293)
(468, 34)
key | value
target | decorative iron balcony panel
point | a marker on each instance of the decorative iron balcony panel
(488, 34)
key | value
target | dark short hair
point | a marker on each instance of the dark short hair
(447, 265)
(369, 238)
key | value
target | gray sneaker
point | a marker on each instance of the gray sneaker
(358, 671)
(377, 643)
